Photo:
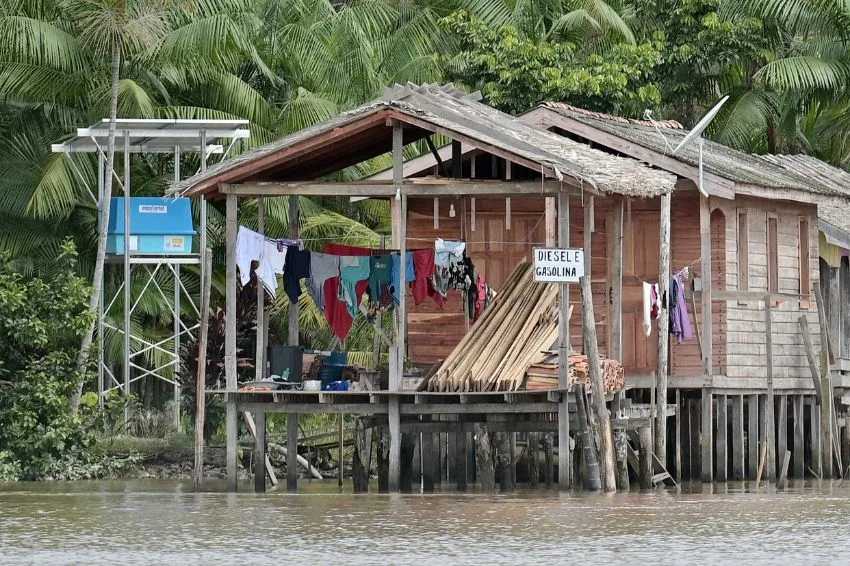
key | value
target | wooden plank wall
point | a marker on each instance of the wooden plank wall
(745, 330)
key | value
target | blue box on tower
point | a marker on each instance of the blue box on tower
(158, 226)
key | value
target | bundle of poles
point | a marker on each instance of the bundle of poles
(506, 339)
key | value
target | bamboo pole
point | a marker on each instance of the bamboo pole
(201, 377)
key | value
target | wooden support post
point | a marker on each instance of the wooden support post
(427, 459)
(781, 429)
(451, 456)
(833, 314)
(771, 419)
(230, 341)
(783, 474)
(341, 449)
(845, 443)
(550, 209)
(533, 459)
(706, 441)
(394, 416)
(826, 428)
(621, 445)
(815, 439)
(752, 435)
(705, 262)
(360, 461)
(737, 437)
(694, 436)
(616, 309)
(663, 332)
(548, 459)
(600, 411)
(678, 459)
(645, 461)
(260, 452)
(721, 438)
(765, 425)
(201, 377)
(436, 462)
(460, 461)
(503, 456)
(294, 234)
(799, 438)
(590, 475)
(512, 446)
(260, 351)
(408, 446)
(563, 350)
(587, 233)
(292, 451)
(486, 472)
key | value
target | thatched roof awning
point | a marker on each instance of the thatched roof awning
(366, 132)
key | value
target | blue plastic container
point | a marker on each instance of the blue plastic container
(158, 226)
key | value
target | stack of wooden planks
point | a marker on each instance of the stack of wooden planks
(495, 354)
(543, 373)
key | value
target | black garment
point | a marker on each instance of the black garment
(297, 267)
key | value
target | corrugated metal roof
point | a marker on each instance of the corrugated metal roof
(719, 159)
(454, 111)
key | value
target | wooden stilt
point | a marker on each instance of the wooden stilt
(486, 472)
(621, 447)
(230, 342)
(260, 354)
(706, 441)
(563, 350)
(765, 435)
(663, 332)
(590, 475)
(533, 459)
(292, 451)
(678, 458)
(382, 457)
(770, 404)
(512, 455)
(826, 425)
(815, 439)
(781, 429)
(407, 449)
(360, 462)
(451, 457)
(645, 460)
(752, 435)
(460, 462)
(799, 438)
(436, 462)
(427, 459)
(201, 377)
(721, 438)
(397, 372)
(845, 443)
(503, 450)
(548, 459)
(737, 437)
(260, 452)
(694, 438)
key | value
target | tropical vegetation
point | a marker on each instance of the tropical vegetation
(287, 64)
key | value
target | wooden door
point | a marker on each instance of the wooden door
(640, 263)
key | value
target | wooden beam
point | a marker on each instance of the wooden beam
(294, 233)
(757, 296)
(705, 255)
(564, 464)
(231, 425)
(260, 352)
(771, 420)
(411, 187)
(397, 369)
(550, 209)
(663, 331)
(616, 308)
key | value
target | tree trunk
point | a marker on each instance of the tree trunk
(103, 220)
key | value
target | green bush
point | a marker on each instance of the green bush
(41, 326)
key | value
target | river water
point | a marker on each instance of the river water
(164, 522)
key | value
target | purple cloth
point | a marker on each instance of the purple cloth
(680, 322)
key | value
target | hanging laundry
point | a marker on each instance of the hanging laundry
(380, 268)
(252, 246)
(651, 306)
(395, 273)
(424, 266)
(352, 270)
(297, 267)
(336, 311)
(680, 321)
(322, 268)
(448, 251)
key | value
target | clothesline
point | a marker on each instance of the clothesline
(642, 280)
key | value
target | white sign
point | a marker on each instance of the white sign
(558, 265)
(153, 209)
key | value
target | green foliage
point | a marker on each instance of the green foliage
(41, 325)
(515, 72)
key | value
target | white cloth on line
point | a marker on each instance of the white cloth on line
(647, 308)
(253, 246)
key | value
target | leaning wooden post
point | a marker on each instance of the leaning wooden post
(260, 354)
(397, 369)
(564, 463)
(600, 411)
(230, 341)
(201, 377)
(663, 331)
(592, 480)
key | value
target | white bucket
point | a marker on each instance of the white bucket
(312, 385)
